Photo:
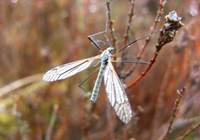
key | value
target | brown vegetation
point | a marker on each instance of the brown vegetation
(37, 35)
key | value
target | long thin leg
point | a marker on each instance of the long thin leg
(132, 61)
(123, 77)
(94, 41)
(86, 79)
(134, 41)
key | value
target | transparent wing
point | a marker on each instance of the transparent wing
(69, 69)
(116, 94)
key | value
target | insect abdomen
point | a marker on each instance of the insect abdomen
(97, 84)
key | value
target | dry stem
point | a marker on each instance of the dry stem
(148, 38)
(127, 31)
(180, 94)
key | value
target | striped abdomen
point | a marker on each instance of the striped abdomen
(98, 81)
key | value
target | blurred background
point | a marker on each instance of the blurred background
(36, 35)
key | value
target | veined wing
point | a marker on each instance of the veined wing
(69, 69)
(116, 94)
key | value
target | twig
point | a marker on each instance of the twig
(167, 34)
(4, 91)
(148, 38)
(127, 31)
(159, 102)
(22, 125)
(193, 128)
(52, 122)
(109, 24)
(180, 94)
(134, 41)
(140, 77)
(130, 18)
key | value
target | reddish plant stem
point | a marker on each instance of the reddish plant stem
(167, 34)
(139, 56)
(140, 77)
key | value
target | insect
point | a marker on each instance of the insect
(113, 86)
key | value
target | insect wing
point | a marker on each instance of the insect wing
(116, 94)
(69, 69)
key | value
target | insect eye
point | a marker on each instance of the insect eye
(111, 50)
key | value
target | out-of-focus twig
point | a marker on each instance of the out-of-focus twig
(110, 23)
(4, 91)
(130, 18)
(189, 131)
(148, 38)
(182, 123)
(127, 31)
(180, 94)
(52, 122)
(167, 34)
(160, 100)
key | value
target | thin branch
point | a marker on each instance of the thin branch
(52, 122)
(180, 94)
(127, 31)
(148, 38)
(159, 102)
(189, 131)
(130, 18)
(167, 34)
(140, 77)
(109, 24)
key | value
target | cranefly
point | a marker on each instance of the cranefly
(114, 88)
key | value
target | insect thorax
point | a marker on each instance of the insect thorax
(106, 54)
